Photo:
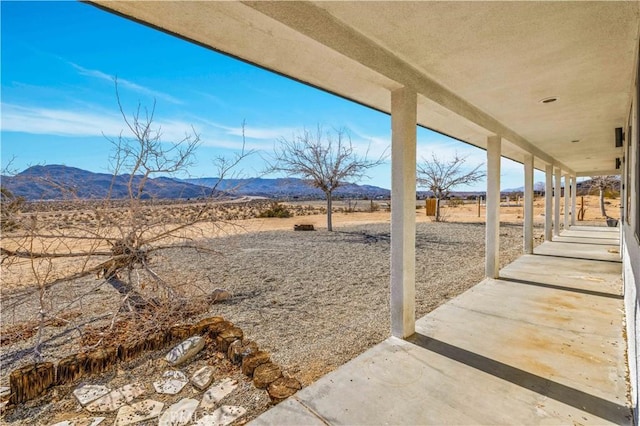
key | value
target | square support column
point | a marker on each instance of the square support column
(528, 203)
(557, 191)
(574, 189)
(492, 246)
(403, 211)
(567, 198)
(548, 210)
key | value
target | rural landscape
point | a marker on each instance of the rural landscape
(81, 275)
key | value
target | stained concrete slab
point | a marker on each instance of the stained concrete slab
(290, 412)
(584, 242)
(541, 345)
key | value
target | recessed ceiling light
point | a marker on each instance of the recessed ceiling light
(575, 141)
(548, 100)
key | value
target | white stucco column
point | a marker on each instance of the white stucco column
(574, 189)
(567, 199)
(548, 193)
(403, 211)
(556, 202)
(528, 203)
(492, 246)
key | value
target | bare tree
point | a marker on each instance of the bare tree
(326, 160)
(120, 243)
(441, 176)
(602, 183)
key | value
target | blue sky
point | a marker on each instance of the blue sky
(58, 98)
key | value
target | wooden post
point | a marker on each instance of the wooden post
(478, 206)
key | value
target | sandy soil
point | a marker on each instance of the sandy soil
(313, 299)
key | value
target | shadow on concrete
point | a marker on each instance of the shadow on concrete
(576, 257)
(560, 287)
(581, 400)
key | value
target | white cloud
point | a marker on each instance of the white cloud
(60, 122)
(91, 121)
(250, 132)
(125, 84)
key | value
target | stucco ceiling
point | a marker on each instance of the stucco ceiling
(480, 68)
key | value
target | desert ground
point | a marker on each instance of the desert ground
(314, 300)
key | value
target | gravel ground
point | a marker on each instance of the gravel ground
(314, 300)
(318, 299)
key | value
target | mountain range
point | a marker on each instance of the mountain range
(59, 182)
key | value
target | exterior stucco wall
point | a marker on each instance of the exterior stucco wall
(631, 276)
(631, 249)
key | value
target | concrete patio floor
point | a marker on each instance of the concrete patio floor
(541, 345)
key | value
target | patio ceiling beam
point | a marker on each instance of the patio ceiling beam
(319, 25)
(611, 172)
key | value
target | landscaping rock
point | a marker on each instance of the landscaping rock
(204, 324)
(228, 336)
(265, 374)
(251, 361)
(179, 413)
(222, 416)
(283, 388)
(238, 350)
(215, 329)
(87, 393)
(202, 378)
(116, 398)
(185, 350)
(138, 412)
(172, 382)
(217, 392)
(5, 391)
(220, 295)
(234, 353)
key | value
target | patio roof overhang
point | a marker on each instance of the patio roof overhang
(479, 68)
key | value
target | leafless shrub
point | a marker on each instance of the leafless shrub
(116, 240)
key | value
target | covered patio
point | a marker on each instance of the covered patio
(552, 85)
(543, 344)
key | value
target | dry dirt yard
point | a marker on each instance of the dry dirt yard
(314, 300)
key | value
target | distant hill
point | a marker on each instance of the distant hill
(57, 182)
(537, 187)
(581, 187)
(288, 188)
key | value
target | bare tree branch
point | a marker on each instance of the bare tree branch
(326, 160)
(441, 176)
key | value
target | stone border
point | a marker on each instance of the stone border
(31, 381)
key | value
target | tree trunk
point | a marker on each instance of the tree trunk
(329, 207)
(604, 213)
(135, 301)
(437, 209)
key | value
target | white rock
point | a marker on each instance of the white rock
(217, 392)
(138, 412)
(4, 391)
(81, 421)
(185, 350)
(203, 377)
(180, 413)
(172, 382)
(116, 398)
(222, 416)
(87, 393)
